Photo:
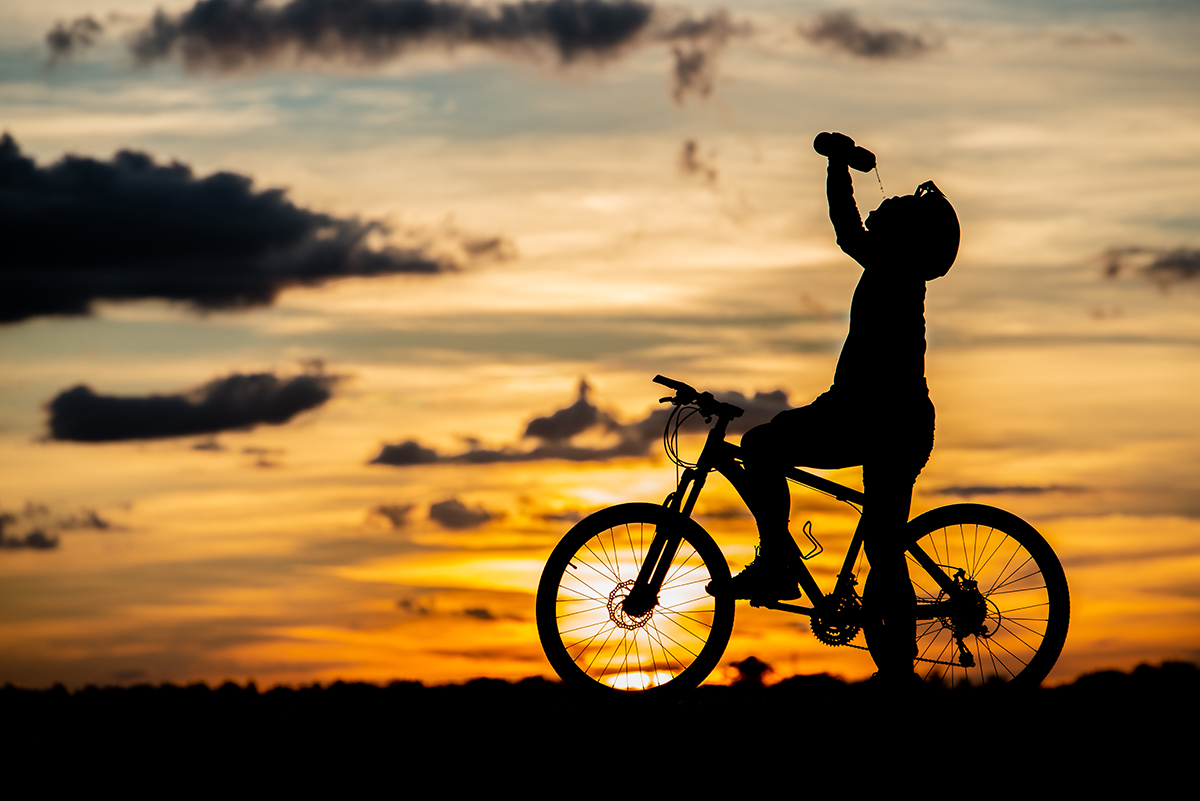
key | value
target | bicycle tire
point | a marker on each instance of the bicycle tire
(593, 644)
(1018, 576)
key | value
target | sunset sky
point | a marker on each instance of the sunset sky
(343, 225)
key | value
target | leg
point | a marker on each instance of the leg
(891, 623)
(769, 499)
(818, 435)
(903, 444)
(812, 435)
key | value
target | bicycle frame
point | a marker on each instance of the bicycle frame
(724, 458)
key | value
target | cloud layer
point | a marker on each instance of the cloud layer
(235, 402)
(83, 230)
(555, 434)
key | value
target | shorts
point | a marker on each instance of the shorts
(891, 439)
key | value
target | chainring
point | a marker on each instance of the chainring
(839, 620)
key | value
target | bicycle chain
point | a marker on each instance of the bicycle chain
(835, 640)
(917, 658)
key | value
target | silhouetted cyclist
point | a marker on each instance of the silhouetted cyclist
(877, 413)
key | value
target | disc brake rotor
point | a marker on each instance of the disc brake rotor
(616, 608)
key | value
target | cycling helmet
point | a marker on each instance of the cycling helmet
(922, 225)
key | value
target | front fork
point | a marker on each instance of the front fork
(643, 596)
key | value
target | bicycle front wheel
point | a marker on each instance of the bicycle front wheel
(592, 642)
(1014, 605)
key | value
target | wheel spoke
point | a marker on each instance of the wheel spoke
(1013, 578)
(668, 611)
(582, 611)
(612, 574)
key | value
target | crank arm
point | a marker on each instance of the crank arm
(779, 606)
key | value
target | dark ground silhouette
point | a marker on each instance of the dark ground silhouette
(1101, 725)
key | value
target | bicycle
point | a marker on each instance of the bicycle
(622, 607)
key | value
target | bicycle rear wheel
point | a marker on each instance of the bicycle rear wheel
(1013, 621)
(593, 643)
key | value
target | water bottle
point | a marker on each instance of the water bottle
(841, 147)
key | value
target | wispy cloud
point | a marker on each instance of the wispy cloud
(235, 402)
(66, 39)
(1094, 38)
(454, 514)
(396, 514)
(695, 165)
(83, 230)
(842, 31)
(1162, 266)
(975, 490)
(696, 43)
(36, 528)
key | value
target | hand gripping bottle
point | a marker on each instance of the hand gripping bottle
(841, 147)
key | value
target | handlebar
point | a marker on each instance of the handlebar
(704, 401)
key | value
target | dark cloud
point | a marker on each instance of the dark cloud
(556, 431)
(479, 613)
(36, 540)
(236, 34)
(414, 606)
(235, 402)
(85, 519)
(1160, 265)
(406, 453)
(841, 30)
(396, 514)
(987, 489)
(454, 514)
(66, 39)
(35, 527)
(83, 230)
(566, 423)
(691, 163)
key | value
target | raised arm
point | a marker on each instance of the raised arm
(843, 213)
